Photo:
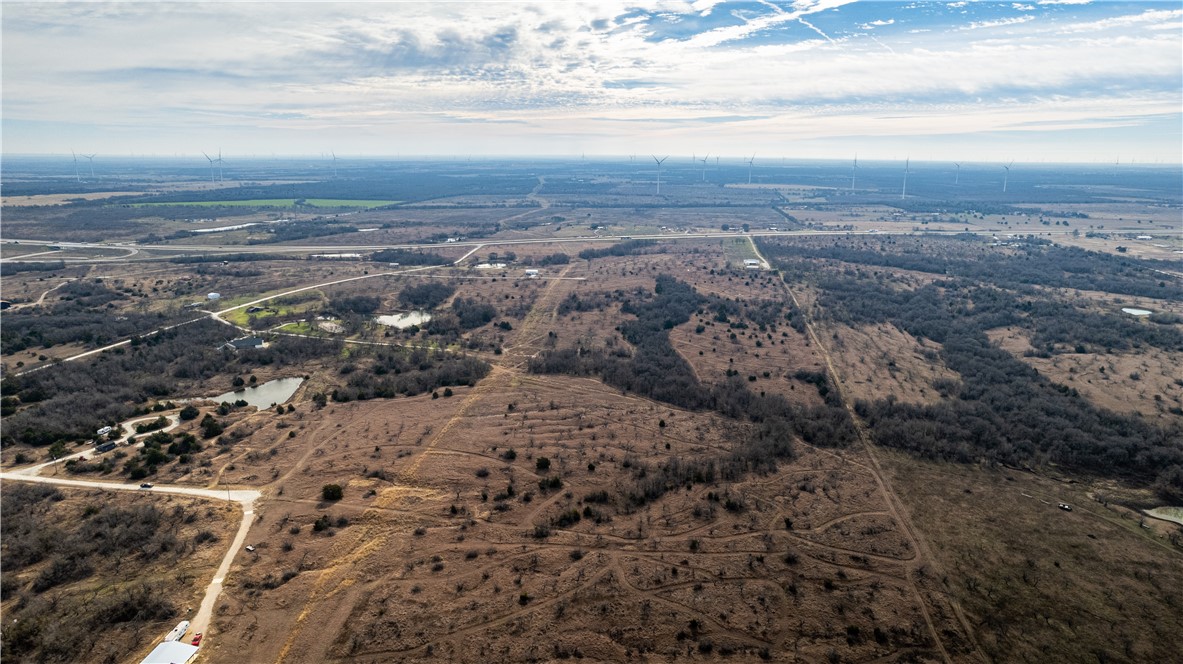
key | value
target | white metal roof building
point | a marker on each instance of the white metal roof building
(170, 652)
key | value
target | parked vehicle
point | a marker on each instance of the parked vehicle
(178, 631)
(197, 639)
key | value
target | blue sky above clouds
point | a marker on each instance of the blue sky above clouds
(1056, 80)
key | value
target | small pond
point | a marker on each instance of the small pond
(263, 396)
(403, 321)
(1168, 513)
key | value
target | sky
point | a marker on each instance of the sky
(1043, 80)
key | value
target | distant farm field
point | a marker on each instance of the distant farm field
(280, 202)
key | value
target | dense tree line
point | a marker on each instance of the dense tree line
(427, 295)
(1035, 262)
(404, 185)
(1061, 323)
(932, 312)
(626, 248)
(301, 230)
(1003, 410)
(408, 257)
(18, 266)
(232, 258)
(552, 259)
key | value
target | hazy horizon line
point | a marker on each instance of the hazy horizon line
(638, 159)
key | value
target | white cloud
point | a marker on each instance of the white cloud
(413, 72)
(705, 7)
(1151, 16)
(998, 23)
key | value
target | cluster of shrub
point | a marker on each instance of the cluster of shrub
(409, 373)
(161, 448)
(597, 300)
(355, 304)
(75, 548)
(47, 626)
(428, 295)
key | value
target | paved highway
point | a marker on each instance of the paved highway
(474, 244)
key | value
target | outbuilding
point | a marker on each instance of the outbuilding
(170, 652)
(214, 296)
(246, 343)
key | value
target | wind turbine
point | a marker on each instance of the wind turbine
(334, 162)
(219, 161)
(211, 164)
(957, 176)
(750, 167)
(904, 191)
(853, 172)
(659, 163)
(1006, 176)
(76, 175)
(90, 158)
(704, 166)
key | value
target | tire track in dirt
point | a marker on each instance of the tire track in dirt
(370, 538)
(923, 554)
(678, 606)
(495, 622)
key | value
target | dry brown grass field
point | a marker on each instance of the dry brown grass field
(437, 560)
(1041, 584)
(1142, 381)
